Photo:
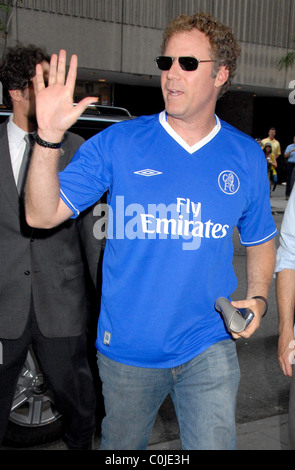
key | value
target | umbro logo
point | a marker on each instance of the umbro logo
(148, 172)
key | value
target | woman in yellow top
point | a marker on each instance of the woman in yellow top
(271, 166)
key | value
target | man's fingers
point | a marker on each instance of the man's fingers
(52, 70)
(57, 70)
(72, 73)
(61, 67)
(57, 99)
(82, 105)
(39, 78)
(286, 367)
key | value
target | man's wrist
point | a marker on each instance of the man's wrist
(50, 135)
(286, 329)
(46, 144)
(260, 297)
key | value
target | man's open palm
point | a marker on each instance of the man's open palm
(54, 104)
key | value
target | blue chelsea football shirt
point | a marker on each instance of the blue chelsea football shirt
(172, 212)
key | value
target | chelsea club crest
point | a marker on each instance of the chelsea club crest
(228, 182)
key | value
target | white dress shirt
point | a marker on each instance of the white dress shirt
(17, 146)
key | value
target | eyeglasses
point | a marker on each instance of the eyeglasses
(189, 64)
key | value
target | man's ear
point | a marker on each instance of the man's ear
(15, 95)
(222, 76)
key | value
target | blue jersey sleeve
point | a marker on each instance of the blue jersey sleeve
(87, 177)
(256, 224)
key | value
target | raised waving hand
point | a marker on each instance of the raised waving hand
(54, 104)
(55, 113)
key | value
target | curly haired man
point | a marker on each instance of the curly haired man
(43, 288)
(190, 178)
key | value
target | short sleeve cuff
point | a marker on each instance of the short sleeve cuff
(69, 204)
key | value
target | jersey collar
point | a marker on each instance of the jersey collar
(163, 121)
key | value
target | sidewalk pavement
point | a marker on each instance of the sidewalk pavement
(278, 200)
(264, 434)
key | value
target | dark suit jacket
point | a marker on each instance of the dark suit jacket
(47, 266)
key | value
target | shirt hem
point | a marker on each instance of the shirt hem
(163, 365)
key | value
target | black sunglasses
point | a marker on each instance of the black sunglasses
(189, 64)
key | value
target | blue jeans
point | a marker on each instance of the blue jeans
(203, 391)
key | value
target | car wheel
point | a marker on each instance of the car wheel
(34, 419)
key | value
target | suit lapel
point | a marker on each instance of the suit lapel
(7, 181)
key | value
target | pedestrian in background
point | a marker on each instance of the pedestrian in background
(271, 167)
(275, 144)
(276, 155)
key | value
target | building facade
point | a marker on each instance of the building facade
(117, 40)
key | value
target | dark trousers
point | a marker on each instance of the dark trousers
(64, 364)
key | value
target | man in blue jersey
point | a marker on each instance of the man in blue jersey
(177, 183)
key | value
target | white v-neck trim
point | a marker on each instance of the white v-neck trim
(163, 121)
